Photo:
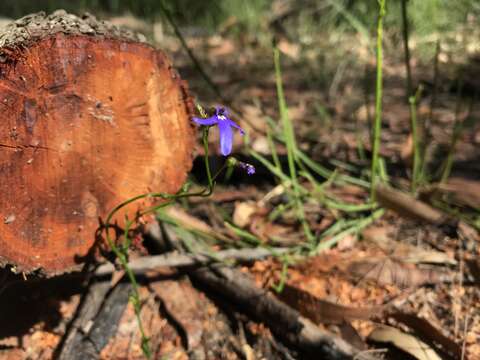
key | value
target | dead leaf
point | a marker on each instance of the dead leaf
(378, 235)
(389, 272)
(406, 150)
(428, 333)
(261, 145)
(243, 212)
(290, 49)
(322, 311)
(364, 113)
(347, 242)
(188, 220)
(418, 255)
(403, 341)
(350, 334)
(463, 191)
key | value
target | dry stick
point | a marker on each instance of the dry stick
(106, 322)
(405, 204)
(86, 312)
(174, 259)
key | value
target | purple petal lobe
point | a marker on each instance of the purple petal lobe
(234, 124)
(206, 122)
(226, 137)
(249, 168)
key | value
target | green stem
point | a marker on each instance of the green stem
(206, 160)
(405, 33)
(378, 99)
(355, 228)
(291, 145)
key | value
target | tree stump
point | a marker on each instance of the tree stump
(90, 116)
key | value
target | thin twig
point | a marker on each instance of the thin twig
(174, 259)
(190, 53)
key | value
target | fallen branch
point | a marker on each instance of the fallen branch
(88, 310)
(174, 259)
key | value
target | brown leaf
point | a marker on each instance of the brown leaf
(350, 334)
(403, 341)
(243, 213)
(406, 150)
(190, 222)
(464, 191)
(389, 272)
(428, 333)
(322, 311)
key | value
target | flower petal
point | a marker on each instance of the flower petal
(234, 124)
(226, 137)
(206, 122)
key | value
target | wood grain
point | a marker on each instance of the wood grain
(88, 120)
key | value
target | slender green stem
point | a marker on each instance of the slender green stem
(291, 145)
(206, 160)
(405, 32)
(378, 99)
(273, 150)
(357, 226)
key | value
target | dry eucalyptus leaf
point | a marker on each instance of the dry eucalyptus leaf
(322, 311)
(403, 341)
(243, 212)
(390, 272)
(463, 191)
(428, 332)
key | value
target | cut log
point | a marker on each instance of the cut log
(90, 116)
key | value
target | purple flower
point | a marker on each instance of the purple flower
(249, 168)
(225, 125)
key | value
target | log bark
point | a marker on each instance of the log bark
(91, 116)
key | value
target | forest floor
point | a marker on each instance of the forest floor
(400, 286)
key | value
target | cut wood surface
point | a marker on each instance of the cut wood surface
(91, 116)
